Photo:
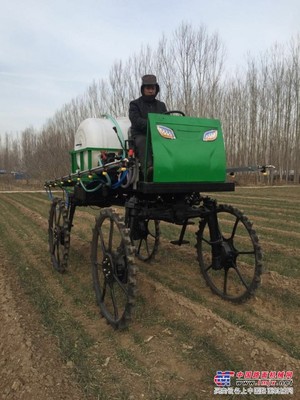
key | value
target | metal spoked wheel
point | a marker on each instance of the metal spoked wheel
(145, 235)
(238, 275)
(114, 274)
(59, 235)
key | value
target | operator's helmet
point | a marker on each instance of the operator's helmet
(149, 80)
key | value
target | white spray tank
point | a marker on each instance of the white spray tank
(99, 134)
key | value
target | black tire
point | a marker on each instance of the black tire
(59, 235)
(113, 269)
(238, 275)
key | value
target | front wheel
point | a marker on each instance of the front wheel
(113, 269)
(238, 275)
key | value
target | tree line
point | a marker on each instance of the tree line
(259, 105)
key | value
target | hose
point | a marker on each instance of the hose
(130, 177)
(118, 131)
(120, 180)
(107, 183)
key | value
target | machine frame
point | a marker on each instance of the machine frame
(227, 246)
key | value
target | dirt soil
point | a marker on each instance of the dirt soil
(30, 364)
(177, 340)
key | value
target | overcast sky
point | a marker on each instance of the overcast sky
(51, 50)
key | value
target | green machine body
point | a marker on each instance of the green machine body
(186, 149)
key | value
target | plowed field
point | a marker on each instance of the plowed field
(54, 344)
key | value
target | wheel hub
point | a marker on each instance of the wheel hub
(228, 256)
(107, 268)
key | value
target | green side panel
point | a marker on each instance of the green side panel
(188, 157)
(74, 166)
(84, 158)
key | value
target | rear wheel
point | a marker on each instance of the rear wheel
(114, 273)
(238, 275)
(59, 235)
(144, 235)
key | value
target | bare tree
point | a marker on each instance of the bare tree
(259, 107)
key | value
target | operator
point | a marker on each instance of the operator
(138, 113)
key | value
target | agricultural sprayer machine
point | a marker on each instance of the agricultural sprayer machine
(187, 161)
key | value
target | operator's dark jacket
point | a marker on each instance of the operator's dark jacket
(138, 113)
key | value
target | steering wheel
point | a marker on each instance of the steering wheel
(175, 112)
